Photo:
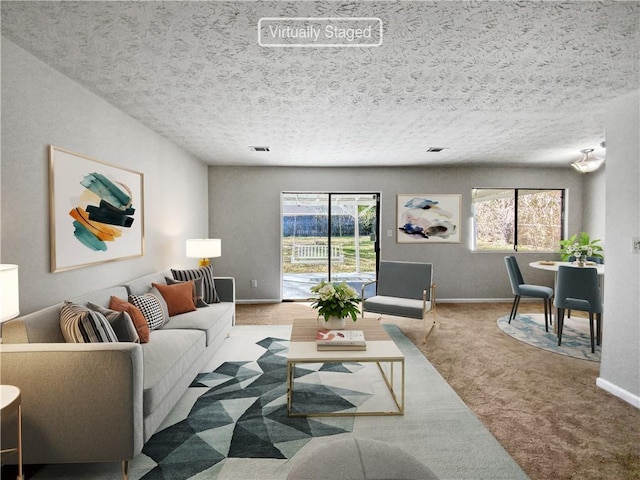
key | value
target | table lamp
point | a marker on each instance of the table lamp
(9, 294)
(204, 249)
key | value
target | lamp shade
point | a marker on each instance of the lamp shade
(9, 296)
(204, 247)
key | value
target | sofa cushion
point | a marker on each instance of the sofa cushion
(167, 356)
(179, 297)
(212, 320)
(80, 324)
(198, 290)
(142, 327)
(206, 273)
(151, 309)
(120, 321)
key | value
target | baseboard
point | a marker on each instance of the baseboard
(259, 300)
(480, 300)
(619, 392)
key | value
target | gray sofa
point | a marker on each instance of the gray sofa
(99, 402)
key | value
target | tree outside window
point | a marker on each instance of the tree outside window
(525, 220)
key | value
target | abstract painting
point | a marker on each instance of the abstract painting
(96, 212)
(426, 218)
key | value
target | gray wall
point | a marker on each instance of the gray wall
(244, 205)
(42, 107)
(594, 204)
(620, 366)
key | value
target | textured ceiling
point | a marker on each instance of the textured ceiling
(498, 83)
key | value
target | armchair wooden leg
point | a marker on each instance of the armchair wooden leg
(125, 470)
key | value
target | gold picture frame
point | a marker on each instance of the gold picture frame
(96, 211)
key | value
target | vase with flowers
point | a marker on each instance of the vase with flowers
(335, 302)
(580, 248)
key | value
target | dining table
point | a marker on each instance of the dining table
(553, 266)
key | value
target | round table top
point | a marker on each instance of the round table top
(9, 395)
(553, 266)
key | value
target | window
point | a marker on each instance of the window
(525, 220)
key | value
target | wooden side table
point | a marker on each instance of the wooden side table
(10, 402)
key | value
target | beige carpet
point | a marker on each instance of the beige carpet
(544, 408)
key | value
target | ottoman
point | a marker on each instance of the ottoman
(360, 459)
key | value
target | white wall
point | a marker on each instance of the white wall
(244, 205)
(620, 366)
(42, 107)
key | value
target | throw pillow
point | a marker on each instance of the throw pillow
(142, 327)
(206, 273)
(151, 309)
(165, 309)
(82, 325)
(120, 321)
(198, 286)
(179, 297)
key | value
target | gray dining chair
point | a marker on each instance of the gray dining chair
(577, 288)
(521, 289)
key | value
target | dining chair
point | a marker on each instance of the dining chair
(577, 288)
(598, 260)
(521, 289)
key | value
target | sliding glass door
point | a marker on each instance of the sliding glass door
(328, 236)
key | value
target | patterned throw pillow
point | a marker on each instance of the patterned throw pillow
(142, 327)
(120, 321)
(198, 288)
(206, 273)
(82, 325)
(151, 309)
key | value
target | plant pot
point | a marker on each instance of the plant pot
(335, 323)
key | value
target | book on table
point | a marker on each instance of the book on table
(340, 340)
(335, 348)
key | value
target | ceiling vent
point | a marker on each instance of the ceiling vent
(436, 149)
(259, 149)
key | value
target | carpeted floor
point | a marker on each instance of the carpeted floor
(544, 408)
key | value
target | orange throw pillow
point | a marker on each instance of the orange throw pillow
(179, 297)
(142, 327)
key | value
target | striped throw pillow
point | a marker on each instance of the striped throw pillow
(151, 309)
(206, 273)
(82, 325)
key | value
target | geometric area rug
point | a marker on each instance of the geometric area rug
(529, 328)
(231, 423)
(243, 415)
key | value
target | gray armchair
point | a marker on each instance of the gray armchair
(404, 289)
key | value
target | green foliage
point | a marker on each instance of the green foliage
(581, 245)
(335, 300)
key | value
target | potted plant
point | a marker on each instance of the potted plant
(580, 247)
(335, 302)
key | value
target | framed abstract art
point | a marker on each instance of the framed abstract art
(428, 218)
(95, 209)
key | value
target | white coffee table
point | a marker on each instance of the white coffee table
(381, 349)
